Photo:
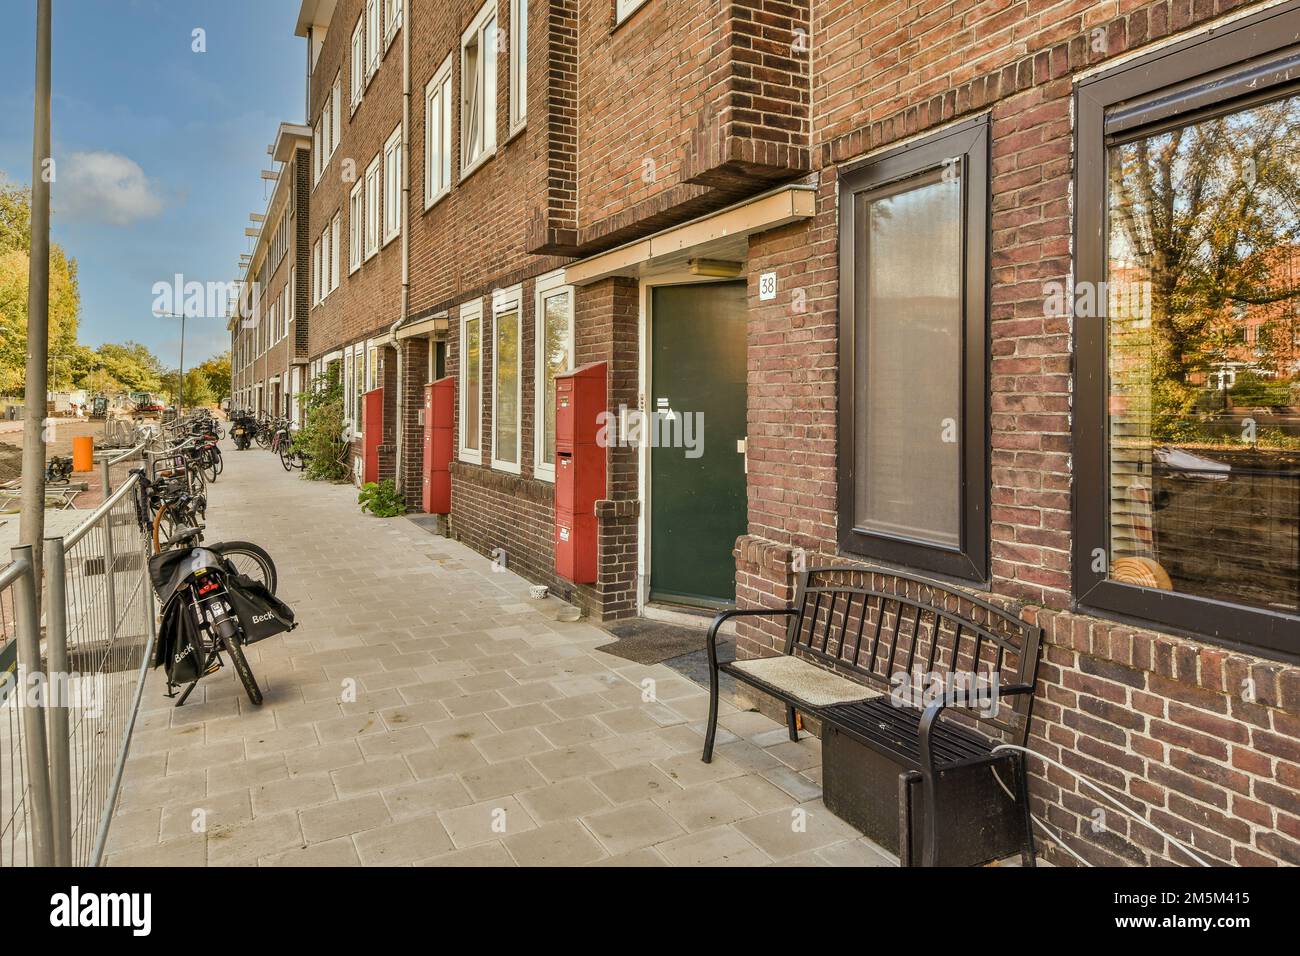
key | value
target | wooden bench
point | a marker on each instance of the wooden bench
(912, 763)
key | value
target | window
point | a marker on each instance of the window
(506, 380)
(372, 207)
(336, 107)
(471, 381)
(625, 8)
(356, 227)
(292, 293)
(478, 81)
(913, 227)
(359, 387)
(317, 292)
(352, 424)
(374, 379)
(1186, 506)
(518, 63)
(372, 37)
(553, 311)
(357, 65)
(437, 135)
(392, 20)
(393, 185)
(316, 163)
(334, 251)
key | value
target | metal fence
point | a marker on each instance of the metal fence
(62, 750)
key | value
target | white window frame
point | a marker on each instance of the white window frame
(336, 112)
(348, 404)
(316, 291)
(292, 293)
(505, 301)
(546, 287)
(374, 207)
(468, 313)
(392, 185)
(374, 47)
(358, 398)
(625, 8)
(356, 226)
(477, 32)
(316, 164)
(518, 65)
(392, 21)
(437, 130)
(357, 65)
(335, 228)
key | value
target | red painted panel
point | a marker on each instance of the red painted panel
(439, 409)
(372, 423)
(580, 398)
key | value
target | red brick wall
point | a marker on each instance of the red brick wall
(1162, 720)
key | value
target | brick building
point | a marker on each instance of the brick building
(268, 329)
(861, 247)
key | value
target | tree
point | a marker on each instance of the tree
(65, 297)
(131, 364)
(216, 371)
(197, 390)
(1210, 215)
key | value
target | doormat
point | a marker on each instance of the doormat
(644, 641)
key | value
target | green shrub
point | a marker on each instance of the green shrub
(381, 499)
(321, 438)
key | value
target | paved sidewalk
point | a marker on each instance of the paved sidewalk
(427, 712)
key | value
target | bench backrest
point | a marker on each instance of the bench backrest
(873, 625)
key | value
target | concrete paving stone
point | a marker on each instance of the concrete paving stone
(705, 806)
(404, 740)
(485, 854)
(323, 757)
(515, 743)
(479, 703)
(243, 842)
(486, 821)
(718, 846)
(229, 809)
(747, 756)
(296, 715)
(377, 774)
(856, 853)
(796, 756)
(426, 796)
(395, 844)
(239, 726)
(343, 817)
(636, 858)
(630, 784)
(525, 715)
(629, 720)
(208, 755)
(370, 703)
(293, 793)
(177, 788)
(563, 843)
(453, 756)
(632, 827)
(747, 723)
(460, 729)
(564, 762)
(338, 852)
(568, 799)
(500, 779)
(190, 850)
(564, 733)
(688, 769)
(758, 793)
(136, 828)
(280, 741)
(807, 827)
(349, 726)
(797, 785)
(430, 690)
(582, 705)
(489, 680)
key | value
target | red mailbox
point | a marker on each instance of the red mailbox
(439, 408)
(373, 434)
(580, 400)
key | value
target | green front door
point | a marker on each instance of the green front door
(696, 426)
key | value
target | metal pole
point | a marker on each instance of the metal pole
(180, 398)
(110, 567)
(31, 523)
(56, 647)
(35, 754)
(105, 481)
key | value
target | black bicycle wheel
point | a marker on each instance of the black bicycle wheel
(215, 452)
(263, 438)
(250, 560)
(231, 643)
(286, 456)
(209, 468)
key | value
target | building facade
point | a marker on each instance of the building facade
(268, 328)
(934, 286)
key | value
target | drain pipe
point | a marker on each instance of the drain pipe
(405, 307)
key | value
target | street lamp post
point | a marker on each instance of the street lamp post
(180, 387)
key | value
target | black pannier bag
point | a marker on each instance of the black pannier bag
(261, 614)
(180, 649)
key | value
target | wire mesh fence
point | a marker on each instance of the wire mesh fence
(71, 674)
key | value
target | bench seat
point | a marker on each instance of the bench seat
(814, 686)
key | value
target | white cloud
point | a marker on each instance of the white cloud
(104, 187)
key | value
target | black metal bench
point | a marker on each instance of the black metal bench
(919, 774)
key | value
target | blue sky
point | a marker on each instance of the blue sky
(157, 148)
